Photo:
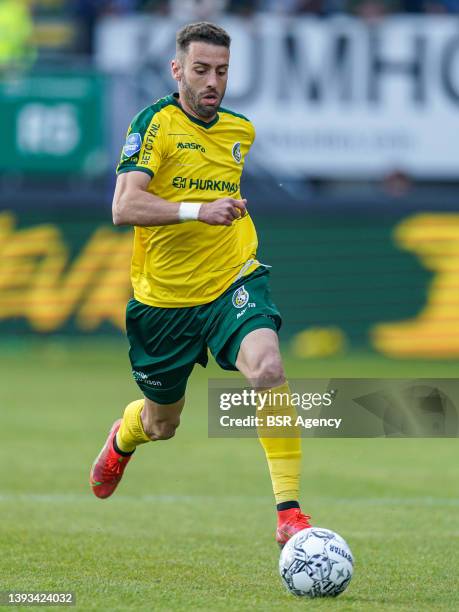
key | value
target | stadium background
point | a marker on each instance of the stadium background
(353, 187)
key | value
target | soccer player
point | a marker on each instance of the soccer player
(194, 268)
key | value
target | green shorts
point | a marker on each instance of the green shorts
(165, 343)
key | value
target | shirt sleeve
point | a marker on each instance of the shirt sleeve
(253, 134)
(143, 150)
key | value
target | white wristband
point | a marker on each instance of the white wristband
(189, 211)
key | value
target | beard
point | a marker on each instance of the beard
(193, 99)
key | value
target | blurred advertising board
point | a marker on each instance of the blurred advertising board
(53, 123)
(341, 281)
(329, 97)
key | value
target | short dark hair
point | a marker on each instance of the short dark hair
(202, 32)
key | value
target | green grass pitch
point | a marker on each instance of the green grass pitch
(191, 525)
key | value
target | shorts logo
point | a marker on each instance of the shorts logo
(141, 377)
(236, 152)
(133, 144)
(240, 297)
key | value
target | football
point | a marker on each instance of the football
(316, 562)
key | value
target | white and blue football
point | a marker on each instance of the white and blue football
(316, 562)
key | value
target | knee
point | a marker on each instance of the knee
(158, 429)
(268, 370)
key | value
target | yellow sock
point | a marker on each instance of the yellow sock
(282, 445)
(131, 433)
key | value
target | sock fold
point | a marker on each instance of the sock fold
(282, 445)
(131, 432)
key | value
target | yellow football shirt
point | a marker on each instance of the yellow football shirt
(187, 159)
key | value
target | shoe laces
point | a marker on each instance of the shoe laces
(299, 518)
(303, 518)
(114, 466)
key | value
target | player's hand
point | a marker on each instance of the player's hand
(222, 212)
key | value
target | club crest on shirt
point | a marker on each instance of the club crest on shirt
(236, 152)
(240, 297)
(133, 144)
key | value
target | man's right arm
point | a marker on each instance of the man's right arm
(134, 205)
